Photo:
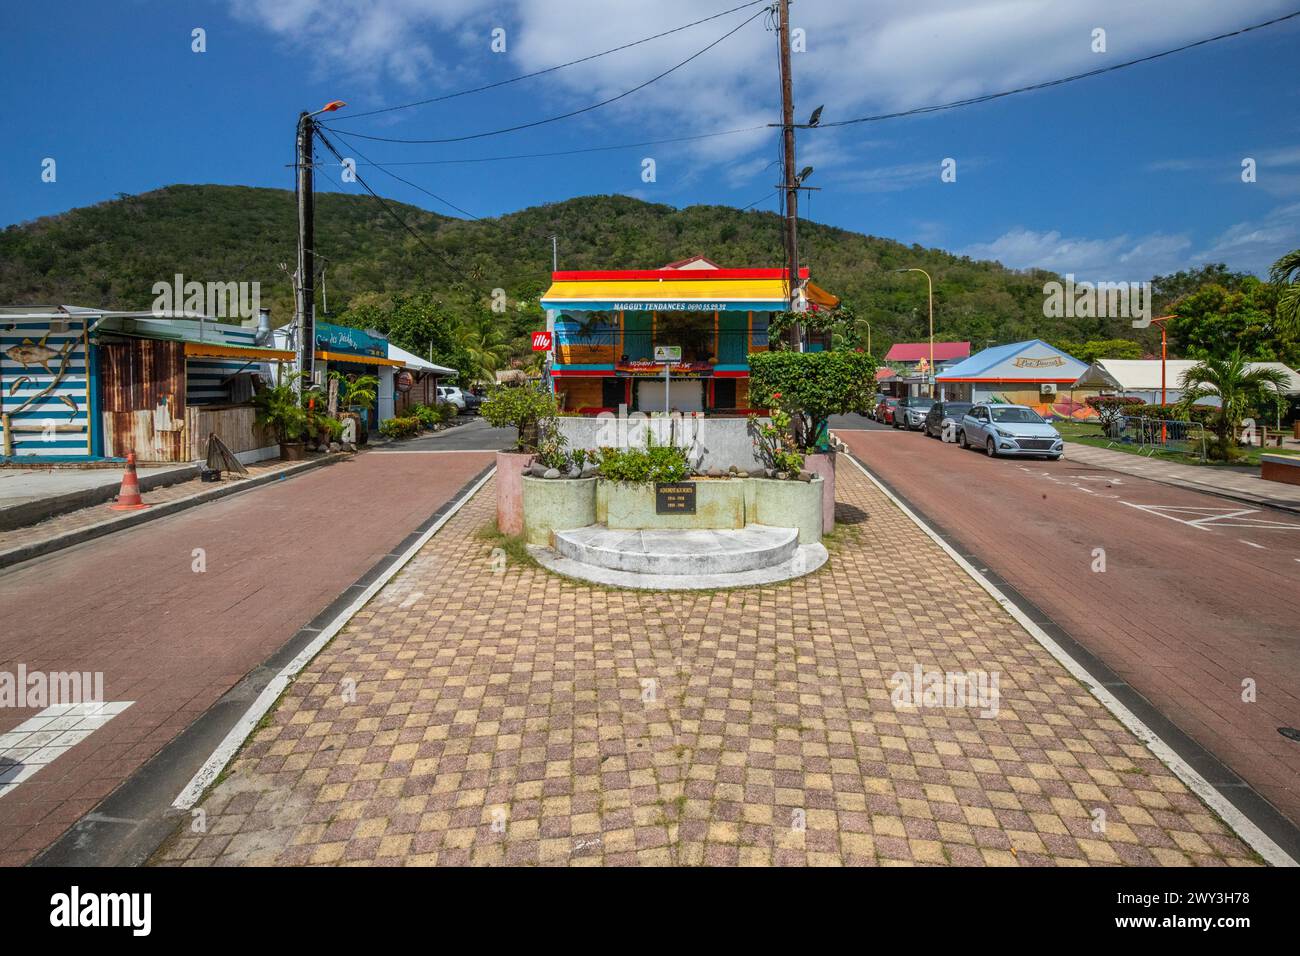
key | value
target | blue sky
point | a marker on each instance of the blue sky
(1116, 178)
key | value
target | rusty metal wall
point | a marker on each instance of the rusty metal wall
(139, 374)
(144, 399)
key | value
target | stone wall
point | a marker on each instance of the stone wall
(709, 442)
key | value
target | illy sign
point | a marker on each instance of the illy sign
(541, 341)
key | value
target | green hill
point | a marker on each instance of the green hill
(111, 254)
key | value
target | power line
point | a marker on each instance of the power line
(446, 202)
(562, 152)
(400, 221)
(1050, 83)
(760, 199)
(549, 69)
(572, 113)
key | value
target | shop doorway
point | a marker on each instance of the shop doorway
(684, 395)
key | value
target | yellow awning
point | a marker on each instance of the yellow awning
(679, 294)
(706, 294)
(207, 350)
(359, 359)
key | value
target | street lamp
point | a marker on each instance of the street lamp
(329, 107)
(929, 284)
(1164, 353)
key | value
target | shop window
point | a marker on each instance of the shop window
(612, 392)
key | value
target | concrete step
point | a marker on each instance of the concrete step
(679, 553)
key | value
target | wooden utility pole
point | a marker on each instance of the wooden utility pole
(795, 334)
(304, 303)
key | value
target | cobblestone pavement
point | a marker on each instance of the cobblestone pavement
(171, 637)
(519, 718)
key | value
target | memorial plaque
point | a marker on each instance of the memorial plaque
(675, 498)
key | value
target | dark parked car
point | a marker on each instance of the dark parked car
(911, 412)
(942, 414)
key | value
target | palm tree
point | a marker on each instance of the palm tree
(485, 344)
(1238, 389)
(1286, 274)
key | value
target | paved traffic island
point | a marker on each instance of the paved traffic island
(699, 534)
(480, 710)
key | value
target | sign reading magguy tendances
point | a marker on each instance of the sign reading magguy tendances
(675, 498)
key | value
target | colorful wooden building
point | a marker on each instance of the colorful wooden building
(607, 324)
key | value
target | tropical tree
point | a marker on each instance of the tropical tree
(1238, 388)
(1286, 275)
(486, 346)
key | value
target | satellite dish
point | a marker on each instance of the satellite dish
(816, 116)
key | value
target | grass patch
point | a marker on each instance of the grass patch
(1090, 433)
(514, 546)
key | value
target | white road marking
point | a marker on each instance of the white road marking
(44, 738)
(1252, 544)
(1207, 518)
(1254, 837)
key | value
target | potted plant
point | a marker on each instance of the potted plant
(357, 395)
(280, 409)
(532, 412)
(810, 387)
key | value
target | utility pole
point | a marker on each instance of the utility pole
(304, 306)
(795, 334)
(305, 291)
(555, 253)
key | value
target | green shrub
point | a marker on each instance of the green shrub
(775, 444)
(641, 465)
(524, 407)
(811, 387)
(400, 427)
(1111, 407)
(1178, 413)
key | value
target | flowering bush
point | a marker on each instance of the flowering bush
(810, 387)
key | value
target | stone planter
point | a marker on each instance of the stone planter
(510, 490)
(555, 504)
(824, 465)
(718, 504)
(788, 504)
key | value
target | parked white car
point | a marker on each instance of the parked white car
(1009, 430)
(452, 395)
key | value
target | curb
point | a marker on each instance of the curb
(38, 549)
(1255, 820)
(1215, 490)
(129, 825)
(34, 512)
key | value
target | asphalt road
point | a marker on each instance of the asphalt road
(176, 612)
(1195, 607)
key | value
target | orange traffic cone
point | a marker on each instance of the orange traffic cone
(128, 499)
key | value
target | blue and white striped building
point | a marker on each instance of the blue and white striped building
(71, 379)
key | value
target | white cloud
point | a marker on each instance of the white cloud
(862, 56)
(1250, 246)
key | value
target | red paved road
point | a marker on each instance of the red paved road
(1183, 613)
(173, 640)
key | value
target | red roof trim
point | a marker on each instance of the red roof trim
(679, 275)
